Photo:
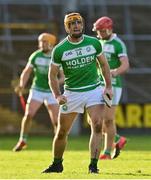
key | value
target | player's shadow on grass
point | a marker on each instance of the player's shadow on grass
(129, 174)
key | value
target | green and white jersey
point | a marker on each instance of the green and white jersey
(40, 63)
(113, 49)
(79, 63)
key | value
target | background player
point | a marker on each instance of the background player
(116, 54)
(40, 93)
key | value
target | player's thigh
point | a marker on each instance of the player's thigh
(32, 107)
(110, 112)
(53, 110)
(96, 112)
(66, 121)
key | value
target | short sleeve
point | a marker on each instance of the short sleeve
(31, 60)
(121, 49)
(55, 58)
(98, 47)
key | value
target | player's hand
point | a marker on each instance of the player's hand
(107, 95)
(19, 90)
(61, 99)
(109, 92)
(113, 72)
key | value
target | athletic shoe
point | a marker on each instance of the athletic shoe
(105, 157)
(54, 168)
(93, 169)
(118, 147)
(20, 146)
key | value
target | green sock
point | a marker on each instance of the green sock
(107, 152)
(94, 161)
(116, 138)
(57, 160)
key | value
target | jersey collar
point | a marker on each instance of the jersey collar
(75, 42)
(113, 36)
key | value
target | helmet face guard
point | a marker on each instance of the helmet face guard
(51, 39)
(72, 17)
(103, 23)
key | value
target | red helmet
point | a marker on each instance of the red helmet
(103, 23)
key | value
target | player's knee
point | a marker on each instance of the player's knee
(98, 127)
(108, 123)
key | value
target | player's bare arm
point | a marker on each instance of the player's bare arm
(23, 79)
(61, 77)
(122, 68)
(106, 73)
(54, 84)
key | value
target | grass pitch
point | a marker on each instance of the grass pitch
(133, 163)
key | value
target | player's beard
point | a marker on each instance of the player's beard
(45, 50)
(106, 38)
(76, 36)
